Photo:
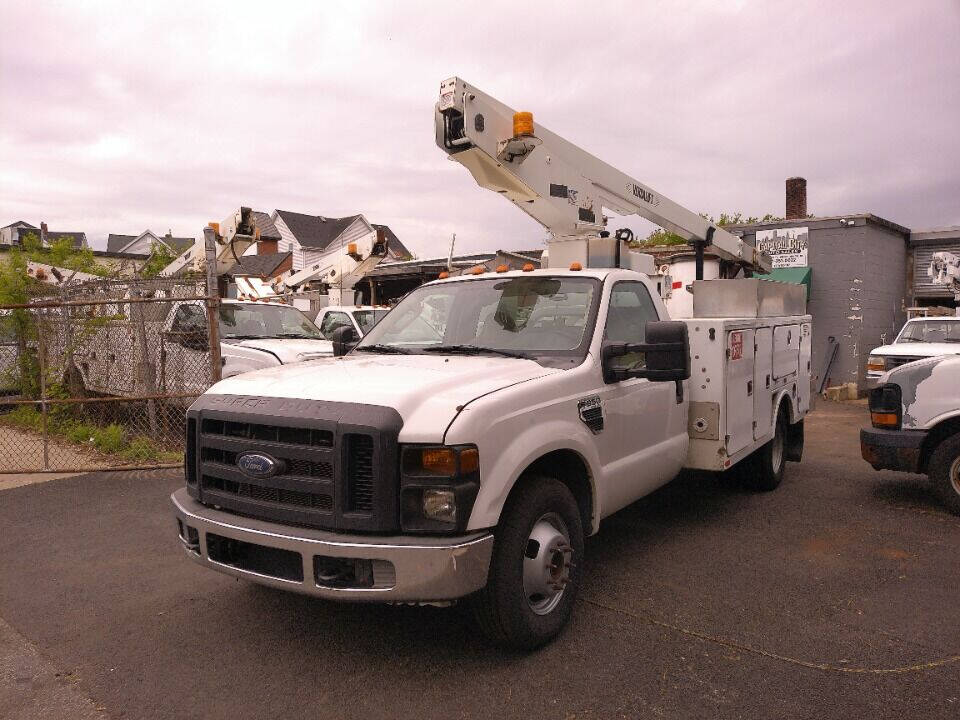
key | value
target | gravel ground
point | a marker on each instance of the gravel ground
(834, 597)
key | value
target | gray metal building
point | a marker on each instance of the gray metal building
(859, 280)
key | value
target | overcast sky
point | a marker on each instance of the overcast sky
(115, 117)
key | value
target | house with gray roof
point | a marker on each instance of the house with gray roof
(310, 237)
(14, 233)
(142, 245)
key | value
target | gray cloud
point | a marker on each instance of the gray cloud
(116, 117)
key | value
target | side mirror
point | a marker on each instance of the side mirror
(344, 338)
(192, 340)
(664, 356)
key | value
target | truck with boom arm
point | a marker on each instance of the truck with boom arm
(466, 445)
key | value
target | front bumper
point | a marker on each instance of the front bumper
(403, 569)
(873, 380)
(892, 449)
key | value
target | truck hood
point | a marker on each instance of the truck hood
(922, 349)
(289, 350)
(427, 390)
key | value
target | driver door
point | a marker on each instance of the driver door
(641, 445)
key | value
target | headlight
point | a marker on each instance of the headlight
(876, 363)
(885, 407)
(438, 486)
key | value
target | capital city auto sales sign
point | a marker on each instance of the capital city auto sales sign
(787, 247)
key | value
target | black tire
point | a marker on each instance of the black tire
(764, 471)
(944, 470)
(503, 609)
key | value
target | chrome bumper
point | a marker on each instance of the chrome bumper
(404, 569)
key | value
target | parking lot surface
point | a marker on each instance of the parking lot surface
(835, 596)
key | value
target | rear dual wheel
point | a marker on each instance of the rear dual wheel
(763, 470)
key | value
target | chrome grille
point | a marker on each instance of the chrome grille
(336, 463)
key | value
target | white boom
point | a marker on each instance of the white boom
(343, 267)
(945, 270)
(562, 186)
(233, 236)
(53, 275)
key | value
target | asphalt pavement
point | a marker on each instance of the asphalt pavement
(836, 596)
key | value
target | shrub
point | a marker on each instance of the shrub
(110, 439)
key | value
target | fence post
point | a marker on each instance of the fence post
(146, 371)
(213, 302)
(42, 352)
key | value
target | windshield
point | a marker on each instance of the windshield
(930, 331)
(246, 321)
(366, 319)
(536, 316)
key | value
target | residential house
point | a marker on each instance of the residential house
(142, 245)
(14, 233)
(312, 237)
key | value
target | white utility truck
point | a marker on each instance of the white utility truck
(467, 445)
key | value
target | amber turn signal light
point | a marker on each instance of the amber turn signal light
(441, 461)
(884, 419)
(444, 275)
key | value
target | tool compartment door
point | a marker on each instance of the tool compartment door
(786, 351)
(763, 383)
(739, 390)
(803, 382)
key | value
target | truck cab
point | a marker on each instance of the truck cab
(360, 317)
(470, 441)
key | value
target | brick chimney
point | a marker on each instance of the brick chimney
(796, 198)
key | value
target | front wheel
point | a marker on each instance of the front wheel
(945, 472)
(536, 566)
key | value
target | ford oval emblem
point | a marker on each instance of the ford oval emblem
(258, 464)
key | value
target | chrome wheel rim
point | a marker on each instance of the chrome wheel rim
(547, 560)
(955, 475)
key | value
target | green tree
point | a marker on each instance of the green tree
(62, 253)
(665, 237)
(160, 257)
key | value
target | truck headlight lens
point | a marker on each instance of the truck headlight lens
(440, 505)
(438, 486)
(877, 363)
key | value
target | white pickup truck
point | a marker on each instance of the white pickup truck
(915, 418)
(253, 335)
(471, 455)
(919, 338)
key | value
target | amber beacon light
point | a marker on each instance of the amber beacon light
(522, 123)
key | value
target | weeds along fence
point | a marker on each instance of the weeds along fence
(98, 375)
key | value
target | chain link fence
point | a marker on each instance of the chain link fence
(98, 375)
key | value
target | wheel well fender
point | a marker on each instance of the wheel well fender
(936, 435)
(570, 468)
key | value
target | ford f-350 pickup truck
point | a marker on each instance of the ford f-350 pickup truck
(466, 446)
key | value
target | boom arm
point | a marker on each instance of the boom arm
(557, 183)
(239, 233)
(945, 270)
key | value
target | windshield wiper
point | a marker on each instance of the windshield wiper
(297, 335)
(385, 349)
(242, 337)
(477, 350)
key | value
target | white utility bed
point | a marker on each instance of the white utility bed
(744, 367)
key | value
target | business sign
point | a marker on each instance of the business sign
(787, 247)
